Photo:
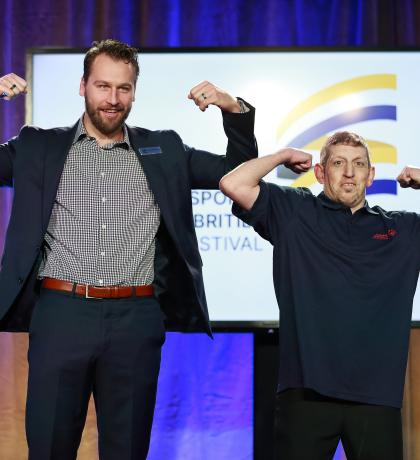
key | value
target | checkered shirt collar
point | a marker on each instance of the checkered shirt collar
(82, 133)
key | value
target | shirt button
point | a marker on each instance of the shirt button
(103, 199)
(102, 174)
(102, 253)
(101, 281)
(103, 226)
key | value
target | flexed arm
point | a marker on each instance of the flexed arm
(242, 184)
(11, 86)
(409, 177)
(206, 169)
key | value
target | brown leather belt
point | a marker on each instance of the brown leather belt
(97, 292)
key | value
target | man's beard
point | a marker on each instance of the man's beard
(103, 125)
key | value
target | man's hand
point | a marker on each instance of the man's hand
(409, 177)
(205, 94)
(11, 85)
(297, 160)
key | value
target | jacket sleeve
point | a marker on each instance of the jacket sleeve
(7, 155)
(206, 169)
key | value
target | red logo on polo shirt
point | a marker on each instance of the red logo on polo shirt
(385, 236)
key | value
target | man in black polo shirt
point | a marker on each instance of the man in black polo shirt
(345, 275)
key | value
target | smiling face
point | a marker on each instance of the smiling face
(109, 94)
(346, 174)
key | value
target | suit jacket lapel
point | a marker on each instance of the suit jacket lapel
(154, 169)
(58, 144)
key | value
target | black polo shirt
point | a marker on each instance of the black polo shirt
(345, 285)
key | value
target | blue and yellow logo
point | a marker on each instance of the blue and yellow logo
(313, 137)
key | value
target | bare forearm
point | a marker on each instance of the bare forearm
(251, 172)
(242, 184)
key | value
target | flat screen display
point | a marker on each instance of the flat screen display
(300, 96)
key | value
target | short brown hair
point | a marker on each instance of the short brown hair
(343, 138)
(115, 49)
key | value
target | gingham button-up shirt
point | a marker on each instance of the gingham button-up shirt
(104, 219)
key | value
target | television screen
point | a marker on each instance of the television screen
(300, 96)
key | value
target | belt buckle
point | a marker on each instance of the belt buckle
(87, 296)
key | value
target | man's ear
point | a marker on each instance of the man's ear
(319, 173)
(371, 176)
(82, 87)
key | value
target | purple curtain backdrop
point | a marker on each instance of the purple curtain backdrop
(205, 398)
(205, 391)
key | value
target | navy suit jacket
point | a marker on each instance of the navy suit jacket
(33, 162)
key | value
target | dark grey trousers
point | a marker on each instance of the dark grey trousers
(79, 347)
(309, 427)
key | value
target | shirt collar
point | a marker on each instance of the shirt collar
(328, 203)
(82, 133)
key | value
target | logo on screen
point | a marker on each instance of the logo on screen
(349, 97)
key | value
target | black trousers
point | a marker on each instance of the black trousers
(77, 347)
(309, 427)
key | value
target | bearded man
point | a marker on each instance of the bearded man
(101, 252)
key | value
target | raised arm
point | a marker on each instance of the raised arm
(11, 86)
(409, 177)
(242, 184)
(206, 169)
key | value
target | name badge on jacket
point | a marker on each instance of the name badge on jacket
(150, 150)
